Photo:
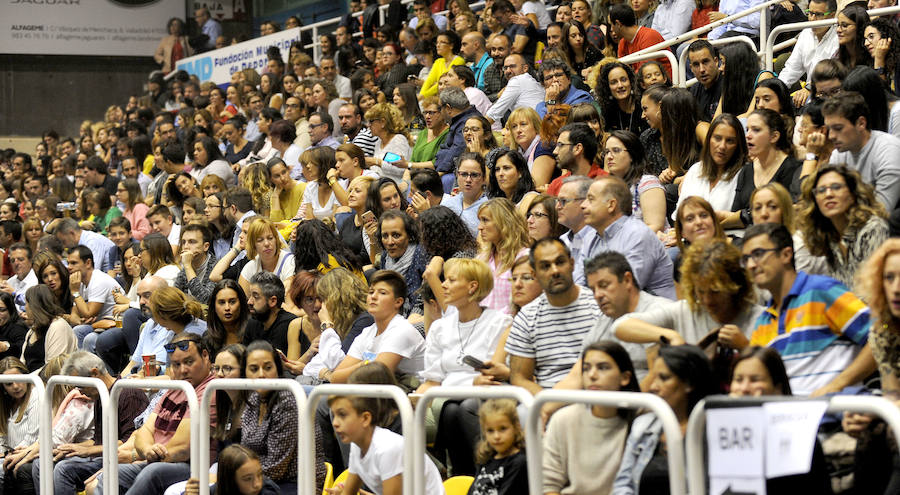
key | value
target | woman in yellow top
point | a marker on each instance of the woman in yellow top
(287, 194)
(447, 44)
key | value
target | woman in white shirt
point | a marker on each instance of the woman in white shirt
(386, 123)
(157, 258)
(19, 420)
(319, 195)
(267, 252)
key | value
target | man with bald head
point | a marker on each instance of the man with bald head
(474, 50)
(522, 89)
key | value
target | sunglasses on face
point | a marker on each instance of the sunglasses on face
(183, 345)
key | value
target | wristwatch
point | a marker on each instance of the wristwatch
(552, 102)
(326, 325)
(76, 295)
(812, 157)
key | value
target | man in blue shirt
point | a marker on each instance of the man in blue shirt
(557, 79)
(474, 50)
(208, 26)
(608, 209)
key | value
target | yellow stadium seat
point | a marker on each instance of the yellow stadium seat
(329, 478)
(341, 478)
(458, 485)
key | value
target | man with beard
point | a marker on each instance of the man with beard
(575, 150)
(351, 121)
(264, 300)
(547, 334)
(494, 78)
(114, 344)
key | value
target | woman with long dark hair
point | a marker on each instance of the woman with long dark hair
(883, 109)
(851, 26)
(228, 317)
(680, 128)
(19, 423)
(509, 177)
(209, 160)
(620, 99)
(319, 197)
(229, 403)
(624, 158)
(157, 259)
(581, 53)
(771, 159)
(317, 247)
(12, 327)
(879, 41)
(50, 335)
(405, 99)
(739, 78)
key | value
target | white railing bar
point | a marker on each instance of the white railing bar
(44, 434)
(631, 400)
(798, 26)
(721, 41)
(305, 446)
(500, 392)
(373, 391)
(108, 435)
(709, 27)
(630, 59)
(696, 429)
(112, 421)
(781, 46)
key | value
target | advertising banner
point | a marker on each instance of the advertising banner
(218, 65)
(85, 27)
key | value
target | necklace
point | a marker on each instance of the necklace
(630, 120)
(462, 345)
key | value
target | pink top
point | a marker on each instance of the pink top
(140, 226)
(500, 297)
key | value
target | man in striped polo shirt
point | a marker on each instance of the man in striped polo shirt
(818, 326)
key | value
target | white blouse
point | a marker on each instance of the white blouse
(448, 341)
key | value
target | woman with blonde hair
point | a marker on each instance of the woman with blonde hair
(157, 258)
(319, 199)
(32, 231)
(841, 219)
(386, 123)
(523, 133)
(128, 192)
(772, 203)
(503, 237)
(255, 177)
(267, 252)
(212, 184)
(176, 311)
(353, 230)
(467, 328)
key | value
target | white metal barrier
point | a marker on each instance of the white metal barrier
(44, 434)
(697, 426)
(631, 400)
(769, 51)
(722, 41)
(504, 392)
(630, 59)
(373, 391)
(694, 33)
(110, 449)
(305, 444)
(109, 435)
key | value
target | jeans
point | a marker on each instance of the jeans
(116, 345)
(69, 474)
(87, 339)
(141, 478)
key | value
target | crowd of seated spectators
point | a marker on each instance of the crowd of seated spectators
(463, 198)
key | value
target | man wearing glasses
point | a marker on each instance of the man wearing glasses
(568, 209)
(813, 45)
(575, 152)
(818, 326)
(161, 441)
(558, 87)
(521, 90)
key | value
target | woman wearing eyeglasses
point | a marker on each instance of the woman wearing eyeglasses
(386, 123)
(624, 158)
(229, 403)
(542, 219)
(177, 312)
(841, 220)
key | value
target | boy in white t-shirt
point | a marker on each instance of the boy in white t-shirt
(376, 454)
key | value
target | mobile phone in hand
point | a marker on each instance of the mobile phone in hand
(474, 362)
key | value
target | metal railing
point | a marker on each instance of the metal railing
(854, 403)
(769, 51)
(305, 444)
(373, 391)
(763, 27)
(110, 449)
(44, 434)
(631, 400)
(630, 59)
(109, 435)
(721, 41)
(499, 392)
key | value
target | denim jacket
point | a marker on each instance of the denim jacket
(639, 449)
